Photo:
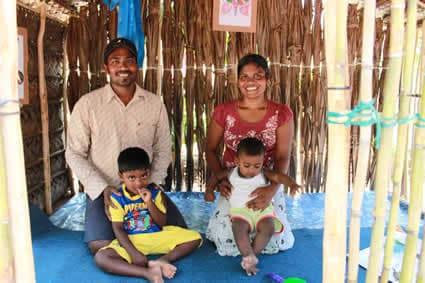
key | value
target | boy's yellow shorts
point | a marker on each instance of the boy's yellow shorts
(161, 242)
(252, 217)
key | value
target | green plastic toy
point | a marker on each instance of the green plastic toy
(294, 280)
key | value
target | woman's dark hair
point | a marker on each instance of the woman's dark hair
(251, 147)
(256, 59)
(133, 158)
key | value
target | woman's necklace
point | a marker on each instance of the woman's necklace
(260, 107)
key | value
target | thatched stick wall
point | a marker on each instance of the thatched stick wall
(289, 34)
(84, 51)
(177, 109)
(72, 52)
(293, 80)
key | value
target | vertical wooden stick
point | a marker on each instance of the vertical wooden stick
(44, 109)
(159, 55)
(334, 239)
(364, 141)
(10, 127)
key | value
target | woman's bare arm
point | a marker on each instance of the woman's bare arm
(215, 135)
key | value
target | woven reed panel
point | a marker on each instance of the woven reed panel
(30, 114)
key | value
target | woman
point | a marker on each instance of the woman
(252, 115)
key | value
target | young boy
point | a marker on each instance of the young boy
(245, 178)
(138, 222)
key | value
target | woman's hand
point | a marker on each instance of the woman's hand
(225, 188)
(262, 197)
(221, 181)
(294, 188)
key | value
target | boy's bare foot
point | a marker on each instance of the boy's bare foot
(168, 270)
(249, 264)
(155, 275)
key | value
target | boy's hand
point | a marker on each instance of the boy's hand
(107, 192)
(209, 196)
(145, 194)
(139, 259)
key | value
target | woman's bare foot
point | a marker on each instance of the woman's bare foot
(155, 274)
(168, 270)
(249, 264)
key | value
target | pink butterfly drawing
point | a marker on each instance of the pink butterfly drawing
(229, 5)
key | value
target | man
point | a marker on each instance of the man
(106, 121)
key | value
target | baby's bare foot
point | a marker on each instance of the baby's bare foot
(168, 270)
(155, 274)
(249, 264)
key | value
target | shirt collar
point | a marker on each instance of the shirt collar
(110, 94)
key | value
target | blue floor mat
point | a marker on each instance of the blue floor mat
(61, 256)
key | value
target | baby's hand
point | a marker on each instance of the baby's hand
(145, 194)
(209, 196)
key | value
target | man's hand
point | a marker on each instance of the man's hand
(145, 194)
(262, 197)
(107, 192)
(138, 258)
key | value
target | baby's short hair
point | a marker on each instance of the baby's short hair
(133, 158)
(251, 146)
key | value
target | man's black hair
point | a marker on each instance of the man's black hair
(251, 147)
(133, 158)
(116, 43)
(256, 59)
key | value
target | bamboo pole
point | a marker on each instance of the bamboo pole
(6, 260)
(10, 127)
(421, 266)
(418, 172)
(44, 109)
(364, 140)
(393, 219)
(390, 94)
(334, 238)
(417, 185)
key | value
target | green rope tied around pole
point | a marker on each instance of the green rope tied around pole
(420, 123)
(357, 117)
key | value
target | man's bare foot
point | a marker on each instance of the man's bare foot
(249, 264)
(168, 270)
(155, 274)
